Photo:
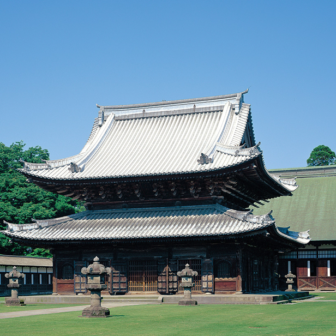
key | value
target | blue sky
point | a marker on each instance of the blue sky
(60, 58)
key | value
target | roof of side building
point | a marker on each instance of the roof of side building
(312, 206)
(17, 260)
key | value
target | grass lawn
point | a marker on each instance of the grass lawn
(316, 318)
(324, 295)
(5, 309)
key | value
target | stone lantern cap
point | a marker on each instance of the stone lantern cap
(94, 272)
(290, 275)
(13, 276)
(187, 272)
(96, 268)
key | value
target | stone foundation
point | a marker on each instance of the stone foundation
(96, 312)
(187, 303)
(14, 302)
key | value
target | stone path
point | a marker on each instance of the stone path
(58, 310)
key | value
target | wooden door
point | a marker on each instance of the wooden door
(167, 277)
(207, 276)
(79, 278)
(322, 268)
(301, 269)
(143, 276)
(118, 278)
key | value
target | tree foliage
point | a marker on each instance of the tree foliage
(20, 201)
(321, 156)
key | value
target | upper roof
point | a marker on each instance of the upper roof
(312, 206)
(177, 137)
(150, 223)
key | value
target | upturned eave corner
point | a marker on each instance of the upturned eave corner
(302, 238)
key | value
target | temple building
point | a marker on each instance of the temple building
(166, 184)
(38, 274)
(313, 207)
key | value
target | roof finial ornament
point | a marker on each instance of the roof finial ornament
(98, 106)
(74, 168)
(204, 159)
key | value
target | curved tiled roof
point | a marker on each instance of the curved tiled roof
(166, 222)
(166, 138)
(163, 138)
(149, 146)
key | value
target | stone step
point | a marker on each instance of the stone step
(139, 301)
(130, 297)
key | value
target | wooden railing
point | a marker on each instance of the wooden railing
(317, 283)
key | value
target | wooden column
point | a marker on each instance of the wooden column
(239, 271)
(55, 273)
(276, 273)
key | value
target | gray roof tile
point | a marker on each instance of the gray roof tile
(147, 223)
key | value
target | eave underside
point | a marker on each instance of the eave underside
(237, 187)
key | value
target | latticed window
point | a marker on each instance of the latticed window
(327, 253)
(307, 254)
(67, 272)
(223, 270)
(288, 255)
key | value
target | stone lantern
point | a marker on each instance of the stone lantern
(187, 275)
(95, 273)
(290, 282)
(14, 277)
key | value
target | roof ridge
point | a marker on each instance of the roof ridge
(144, 114)
(169, 102)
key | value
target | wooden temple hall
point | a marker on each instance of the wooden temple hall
(165, 184)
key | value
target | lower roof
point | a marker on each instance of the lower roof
(17, 260)
(149, 223)
(311, 207)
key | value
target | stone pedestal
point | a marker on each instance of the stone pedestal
(14, 285)
(95, 272)
(290, 282)
(187, 283)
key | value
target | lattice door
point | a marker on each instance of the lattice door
(167, 278)
(143, 276)
(207, 276)
(79, 278)
(119, 278)
(195, 265)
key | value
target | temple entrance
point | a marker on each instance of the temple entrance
(142, 276)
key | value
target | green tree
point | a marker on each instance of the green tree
(321, 156)
(20, 201)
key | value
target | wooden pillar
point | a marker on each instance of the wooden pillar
(276, 273)
(239, 265)
(269, 274)
(317, 269)
(250, 274)
(55, 273)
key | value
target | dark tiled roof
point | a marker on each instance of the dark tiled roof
(186, 221)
